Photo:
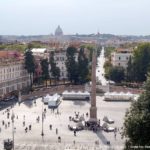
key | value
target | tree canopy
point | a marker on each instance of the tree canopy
(45, 69)
(115, 74)
(55, 71)
(30, 64)
(82, 66)
(137, 120)
(71, 64)
(140, 63)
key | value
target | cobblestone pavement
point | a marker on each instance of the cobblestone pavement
(28, 111)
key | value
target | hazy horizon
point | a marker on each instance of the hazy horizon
(41, 17)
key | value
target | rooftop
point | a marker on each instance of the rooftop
(39, 50)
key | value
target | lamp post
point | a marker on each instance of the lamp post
(42, 133)
(12, 118)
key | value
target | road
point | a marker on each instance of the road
(100, 70)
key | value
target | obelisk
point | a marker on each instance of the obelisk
(93, 109)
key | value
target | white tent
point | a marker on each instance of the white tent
(54, 101)
(119, 96)
(47, 98)
(76, 95)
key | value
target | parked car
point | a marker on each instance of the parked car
(75, 128)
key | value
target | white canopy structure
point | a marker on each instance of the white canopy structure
(110, 96)
(52, 101)
(76, 95)
(47, 98)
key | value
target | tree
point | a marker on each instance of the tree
(99, 48)
(108, 51)
(91, 49)
(107, 66)
(130, 70)
(30, 64)
(137, 120)
(82, 66)
(45, 69)
(140, 63)
(72, 65)
(116, 74)
(55, 71)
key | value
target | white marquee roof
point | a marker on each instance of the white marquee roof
(38, 50)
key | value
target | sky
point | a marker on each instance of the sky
(41, 17)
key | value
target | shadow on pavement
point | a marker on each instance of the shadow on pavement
(102, 137)
(81, 103)
(28, 103)
(6, 104)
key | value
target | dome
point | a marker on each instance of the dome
(58, 31)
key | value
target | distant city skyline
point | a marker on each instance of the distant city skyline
(41, 17)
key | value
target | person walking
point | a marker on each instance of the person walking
(74, 133)
(56, 131)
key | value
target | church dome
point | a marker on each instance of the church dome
(58, 31)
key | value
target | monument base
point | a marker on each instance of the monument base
(92, 121)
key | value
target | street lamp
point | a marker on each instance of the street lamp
(42, 133)
(12, 119)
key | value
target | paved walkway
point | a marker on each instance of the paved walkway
(32, 140)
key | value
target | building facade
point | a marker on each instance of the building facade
(60, 60)
(121, 58)
(13, 75)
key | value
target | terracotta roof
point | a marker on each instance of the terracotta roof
(10, 54)
(124, 50)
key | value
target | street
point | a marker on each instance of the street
(100, 70)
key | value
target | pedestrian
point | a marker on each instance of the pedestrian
(70, 118)
(87, 114)
(50, 126)
(30, 127)
(23, 123)
(115, 135)
(59, 139)
(56, 131)
(57, 111)
(7, 115)
(8, 124)
(26, 129)
(3, 122)
(99, 121)
(74, 132)
(5, 126)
